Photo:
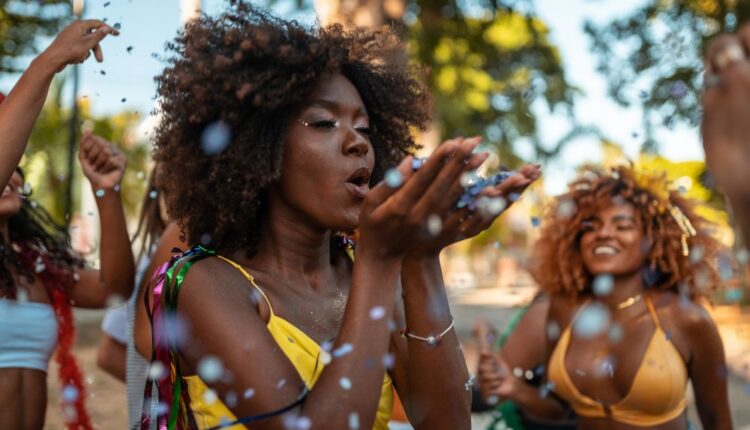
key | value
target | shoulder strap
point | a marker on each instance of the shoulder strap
(652, 311)
(249, 278)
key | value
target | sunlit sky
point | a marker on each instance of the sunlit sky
(148, 24)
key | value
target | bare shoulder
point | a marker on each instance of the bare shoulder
(689, 317)
(213, 280)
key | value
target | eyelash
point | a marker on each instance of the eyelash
(367, 131)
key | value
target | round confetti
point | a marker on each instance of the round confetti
(492, 400)
(353, 421)
(517, 372)
(325, 357)
(69, 394)
(230, 399)
(117, 26)
(592, 321)
(743, 256)
(152, 194)
(394, 178)
(302, 423)
(603, 285)
(215, 138)
(210, 397)
(696, 254)
(210, 369)
(99, 193)
(377, 312)
(434, 225)
(156, 371)
(345, 383)
(565, 210)
(615, 333)
(248, 393)
(389, 360)
(528, 375)
(553, 330)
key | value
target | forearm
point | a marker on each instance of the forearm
(19, 112)
(117, 268)
(437, 375)
(352, 382)
(537, 403)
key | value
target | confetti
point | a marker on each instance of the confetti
(210, 397)
(592, 320)
(99, 192)
(325, 357)
(353, 421)
(152, 194)
(389, 360)
(517, 372)
(678, 90)
(102, 72)
(743, 256)
(393, 178)
(565, 210)
(434, 225)
(345, 383)
(469, 178)
(230, 399)
(377, 313)
(215, 138)
(302, 423)
(281, 383)
(696, 254)
(492, 400)
(470, 383)
(69, 394)
(129, 49)
(529, 375)
(210, 369)
(117, 26)
(248, 393)
(553, 330)
(343, 350)
(39, 265)
(603, 285)
(156, 371)
(106, 4)
(535, 222)
(615, 333)
(123, 100)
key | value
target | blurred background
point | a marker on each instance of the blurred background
(563, 83)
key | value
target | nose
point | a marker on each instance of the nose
(605, 231)
(355, 144)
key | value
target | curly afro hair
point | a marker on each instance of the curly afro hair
(556, 262)
(249, 71)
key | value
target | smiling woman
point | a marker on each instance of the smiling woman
(624, 263)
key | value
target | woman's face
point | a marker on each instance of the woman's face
(10, 201)
(614, 242)
(329, 158)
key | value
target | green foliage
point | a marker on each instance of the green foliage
(22, 22)
(653, 57)
(490, 62)
(46, 159)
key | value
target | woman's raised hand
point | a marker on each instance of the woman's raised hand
(726, 110)
(76, 42)
(394, 216)
(102, 162)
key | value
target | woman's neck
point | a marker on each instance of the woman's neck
(625, 287)
(290, 248)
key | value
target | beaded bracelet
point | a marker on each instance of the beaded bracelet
(430, 340)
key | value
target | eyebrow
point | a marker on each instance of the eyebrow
(623, 218)
(332, 105)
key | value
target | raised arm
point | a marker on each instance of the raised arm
(104, 165)
(444, 401)
(19, 111)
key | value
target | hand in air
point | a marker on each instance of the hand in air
(75, 43)
(493, 375)
(102, 162)
(726, 109)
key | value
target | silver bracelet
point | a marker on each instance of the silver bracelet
(430, 340)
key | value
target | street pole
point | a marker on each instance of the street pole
(78, 7)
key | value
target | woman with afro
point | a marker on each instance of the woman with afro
(274, 140)
(623, 263)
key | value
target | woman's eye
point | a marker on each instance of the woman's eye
(367, 131)
(324, 124)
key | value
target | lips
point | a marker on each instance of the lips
(358, 182)
(8, 190)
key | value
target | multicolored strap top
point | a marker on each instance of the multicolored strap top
(186, 395)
